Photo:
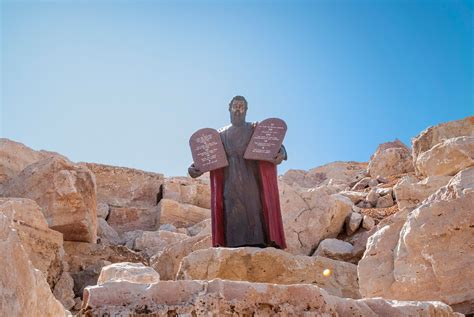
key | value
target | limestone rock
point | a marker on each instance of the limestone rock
(63, 291)
(151, 242)
(368, 222)
(66, 193)
(353, 221)
(201, 228)
(447, 158)
(106, 233)
(181, 215)
(385, 202)
(335, 249)
(391, 158)
(311, 216)
(441, 132)
(222, 297)
(188, 191)
(167, 262)
(23, 289)
(130, 272)
(354, 196)
(124, 219)
(103, 210)
(270, 265)
(338, 172)
(43, 246)
(428, 256)
(126, 187)
(362, 184)
(410, 191)
(372, 197)
(14, 157)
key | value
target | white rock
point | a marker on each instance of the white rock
(129, 272)
(334, 249)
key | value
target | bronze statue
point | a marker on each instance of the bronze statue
(240, 218)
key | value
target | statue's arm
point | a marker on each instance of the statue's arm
(193, 171)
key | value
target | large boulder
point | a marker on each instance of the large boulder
(429, 256)
(336, 172)
(24, 290)
(270, 265)
(439, 133)
(14, 157)
(43, 246)
(124, 219)
(410, 191)
(187, 190)
(447, 158)
(126, 187)
(391, 158)
(66, 192)
(237, 298)
(310, 216)
(181, 215)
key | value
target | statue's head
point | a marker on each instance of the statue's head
(238, 110)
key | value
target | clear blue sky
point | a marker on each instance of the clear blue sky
(127, 82)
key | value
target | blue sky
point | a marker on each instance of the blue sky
(127, 82)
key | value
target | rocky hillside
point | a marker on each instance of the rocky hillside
(390, 237)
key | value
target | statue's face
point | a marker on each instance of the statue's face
(237, 112)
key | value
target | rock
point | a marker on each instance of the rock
(382, 179)
(237, 298)
(354, 196)
(373, 182)
(362, 184)
(364, 204)
(129, 272)
(270, 265)
(24, 290)
(353, 221)
(439, 133)
(43, 246)
(78, 303)
(410, 191)
(447, 158)
(181, 215)
(391, 158)
(87, 276)
(201, 228)
(385, 202)
(339, 172)
(126, 187)
(372, 197)
(384, 191)
(188, 191)
(14, 157)
(124, 219)
(428, 256)
(66, 193)
(106, 233)
(103, 210)
(335, 249)
(311, 216)
(129, 238)
(167, 227)
(167, 262)
(63, 291)
(151, 242)
(368, 222)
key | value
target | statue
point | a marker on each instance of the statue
(244, 195)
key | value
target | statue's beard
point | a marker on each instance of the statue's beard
(237, 118)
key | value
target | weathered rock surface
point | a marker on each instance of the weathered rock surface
(181, 215)
(23, 289)
(335, 249)
(106, 233)
(201, 228)
(311, 216)
(124, 219)
(410, 191)
(447, 158)
(14, 157)
(152, 242)
(429, 255)
(66, 192)
(126, 187)
(188, 191)
(385, 201)
(64, 291)
(221, 297)
(441, 132)
(354, 196)
(391, 158)
(270, 265)
(339, 172)
(43, 246)
(129, 272)
(352, 222)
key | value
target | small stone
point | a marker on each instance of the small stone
(368, 223)
(102, 210)
(372, 197)
(373, 182)
(167, 227)
(385, 202)
(334, 249)
(353, 223)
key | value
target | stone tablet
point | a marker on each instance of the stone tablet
(207, 150)
(266, 140)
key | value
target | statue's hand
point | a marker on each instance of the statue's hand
(279, 157)
(194, 171)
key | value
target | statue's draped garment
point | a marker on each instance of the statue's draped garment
(245, 203)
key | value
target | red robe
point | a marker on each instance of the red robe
(270, 204)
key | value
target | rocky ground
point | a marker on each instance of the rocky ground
(390, 237)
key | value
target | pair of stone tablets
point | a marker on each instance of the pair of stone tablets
(209, 154)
